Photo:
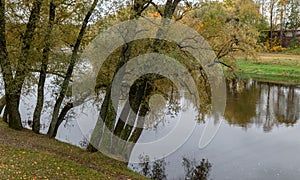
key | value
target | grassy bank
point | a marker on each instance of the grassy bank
(25, 155)
(283, 68)
(293, 51)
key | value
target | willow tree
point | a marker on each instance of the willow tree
(107, 112)
(140, 92)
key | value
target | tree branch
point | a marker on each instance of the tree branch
(59, 74)
(156, 8)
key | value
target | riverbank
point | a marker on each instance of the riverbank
(25, 155)
(282, 68)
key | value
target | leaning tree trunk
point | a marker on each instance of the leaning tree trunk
(62, 115)
(127, 118)
(147, 87)
(107, 112)
(121, 129)
(53, 125)
(141, 108)
(98, 130)
(40, 97)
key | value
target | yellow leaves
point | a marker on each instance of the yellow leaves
(283, 2)
(155, 15)
(277, 49)
(41, 158)
(200, 27)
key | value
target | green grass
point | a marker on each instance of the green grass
(25, 155)
(273, 67)
(23, 164)
(295, 51)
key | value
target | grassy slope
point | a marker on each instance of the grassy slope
(25, 155)
(276, 67)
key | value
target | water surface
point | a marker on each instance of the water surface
(259, 137)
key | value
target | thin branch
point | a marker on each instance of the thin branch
(183, 14)
(156, 8)
(49, 72)
(147, 5)
(224, 64)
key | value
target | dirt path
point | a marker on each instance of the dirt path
(273, 56)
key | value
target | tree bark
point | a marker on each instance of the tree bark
(123, 130)
(271, 23)
(61, 117)
(2, 104)
(65, 84)
(170, 8)
(13, 86)
(12, 103)
(5, 118)
(107, 112)
(282, 11)
(43, 72)
(98, 130)
(122, 119)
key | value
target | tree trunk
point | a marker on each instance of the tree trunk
(98, 130)
(2, 104)
(61, 117)
(65, 84)
(13, 86)
(11, 99)
(271, 23)
(122, 119)
(40, 97)
(281, 28)
(107, 112)
(121, 130)
(135, 100)
(13, 114)
(170, 8)
(5, 118)
(142, 110)
(125, 123)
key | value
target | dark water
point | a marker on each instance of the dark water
(259, 137)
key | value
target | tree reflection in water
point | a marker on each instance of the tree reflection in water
(153, 170)
(193, 169)
(265, 105)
